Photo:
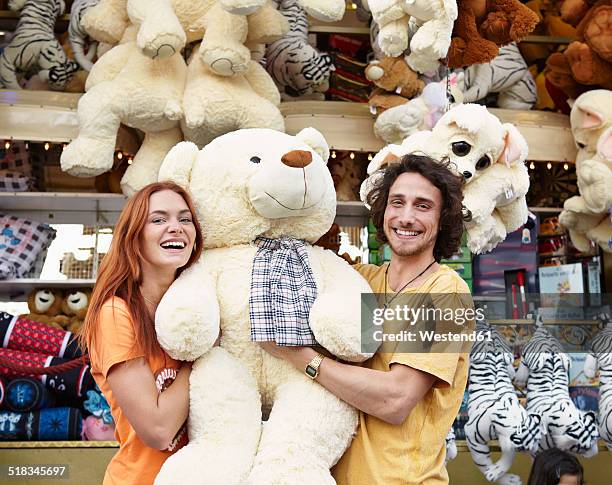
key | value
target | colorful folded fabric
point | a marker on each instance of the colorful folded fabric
(53, 424)
(26, 394)
(21, 241)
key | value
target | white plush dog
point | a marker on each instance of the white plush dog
(489, 154)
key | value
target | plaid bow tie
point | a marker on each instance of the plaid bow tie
(283, 290)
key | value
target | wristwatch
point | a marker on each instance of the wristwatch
(312, 369)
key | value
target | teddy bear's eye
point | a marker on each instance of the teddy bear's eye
(461, 148)
(255, 159)
(580, 145)
(451, 98)
(483, 163)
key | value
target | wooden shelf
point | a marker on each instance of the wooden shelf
(349, 24)
(19, 289)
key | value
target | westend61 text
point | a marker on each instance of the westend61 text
(421, 314)
(430, 336)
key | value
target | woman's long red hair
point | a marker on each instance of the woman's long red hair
(120, 272)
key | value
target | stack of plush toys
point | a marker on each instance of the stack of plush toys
(63, 403)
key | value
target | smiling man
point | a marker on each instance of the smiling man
(407, 401)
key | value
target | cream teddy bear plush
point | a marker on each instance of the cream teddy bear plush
(125, 86)
(587, 216)
(256, 189)
(491, 158)
(167, 25)
(325, 10)
(428, 22)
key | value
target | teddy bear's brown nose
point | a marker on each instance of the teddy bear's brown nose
(297, 158)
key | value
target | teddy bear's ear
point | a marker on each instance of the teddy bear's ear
(178, 163)
(316, 141)
(588, 118)
(604, 144)
(515, 149)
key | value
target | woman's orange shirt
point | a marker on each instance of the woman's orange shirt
(135, 462)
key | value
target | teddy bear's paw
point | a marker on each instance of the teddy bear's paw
(595, 182)
(599, 31)
(226, 60)
(242, 7)
(161, 46)
(324, 10)
(393, 44)
(509, 479)
(494, 472)
(497, 28)
(195, 117)
(88, 157)
(580, 58)
(173, 110)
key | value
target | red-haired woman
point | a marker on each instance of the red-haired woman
(157, 236)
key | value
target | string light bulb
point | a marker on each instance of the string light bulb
(333, 154)
(566, 166)
(130, 160)
(119, 155)
(549, 165)
(7, 144)
(370, 157)
(532, 166)
(64, 146)
(47, 146)
(352, 156)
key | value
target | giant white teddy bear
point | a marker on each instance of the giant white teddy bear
(489, 154)
(248, 185)
(587, 216)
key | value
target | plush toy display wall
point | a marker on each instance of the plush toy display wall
(544, 370)
(494, 410)
(34, 46)
(275, 189)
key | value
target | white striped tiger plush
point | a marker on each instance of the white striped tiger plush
(34, 47)
(494, 411)
(600, 356)
(297, 68)
(545, 368)
(79, 39)
(506, 75)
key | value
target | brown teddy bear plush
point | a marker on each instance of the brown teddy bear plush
(75, 305)
(395, 83)
(45, 306)
(483, 26)
(588, 60)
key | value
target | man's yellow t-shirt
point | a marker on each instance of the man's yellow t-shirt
(413, 452)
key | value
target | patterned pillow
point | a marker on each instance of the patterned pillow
(14, 181)
(16, 158)
(21, 241)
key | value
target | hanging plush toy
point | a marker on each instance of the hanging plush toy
(34, 46)
(45, 306)
(587, 62)
(587, 216)
(544, 369)
(79, 39)
(324, 10)
(298, 69)
(395, 83)
(425, 24)
(395, 124)
(483, 26)
(494, 411)
(488, 154)
(506, 75)
(600, 359)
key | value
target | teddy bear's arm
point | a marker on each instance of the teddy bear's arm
(187, 318)
(262, 83)
(161, 34)
(335, 317)
(222, 47)
(108, 66)
(267, 25)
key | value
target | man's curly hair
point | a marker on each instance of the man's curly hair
(450, 185)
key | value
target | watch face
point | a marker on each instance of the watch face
(311, 371)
